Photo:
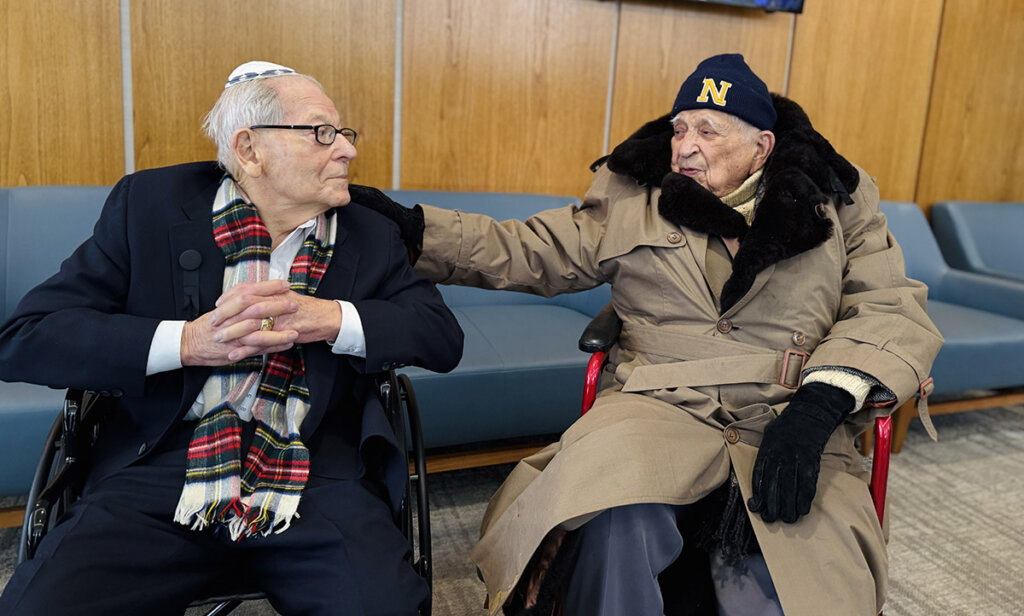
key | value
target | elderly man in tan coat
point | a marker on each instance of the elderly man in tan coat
(767, 320)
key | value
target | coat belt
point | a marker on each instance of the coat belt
(705, 361)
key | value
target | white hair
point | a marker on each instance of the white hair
(242, 105)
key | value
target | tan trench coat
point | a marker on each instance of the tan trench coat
(688, 391)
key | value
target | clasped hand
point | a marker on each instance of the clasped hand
(232, 331)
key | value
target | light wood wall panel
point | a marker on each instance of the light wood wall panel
(512, 95)
(974, 141)
(505, 96)
(661, 43)
(60, 92)
(862, 71)
(184, 50)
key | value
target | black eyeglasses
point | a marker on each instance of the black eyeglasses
(325, 133)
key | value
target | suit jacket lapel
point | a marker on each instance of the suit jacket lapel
(337, 283)
(195, 234)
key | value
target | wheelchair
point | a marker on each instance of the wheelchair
(598, 338)
(60, 475)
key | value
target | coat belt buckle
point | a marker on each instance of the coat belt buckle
(926, 388)
(785, 367)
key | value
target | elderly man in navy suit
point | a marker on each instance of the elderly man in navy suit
(235, 312)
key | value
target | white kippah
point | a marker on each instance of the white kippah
(256, 69)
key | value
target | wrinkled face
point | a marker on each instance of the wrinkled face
(716, 150)
(298, 170)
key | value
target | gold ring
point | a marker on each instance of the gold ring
(267, 324)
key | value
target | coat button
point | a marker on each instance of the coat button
(675, 237)
(724, 326)
(732, 436)
(799, 338)
(142, 448)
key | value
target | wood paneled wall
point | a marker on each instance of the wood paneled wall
(60, 93)
(659, 46)
(518, 95)
(863, 71)
(506, 96)
(184, 50)
(974, 143)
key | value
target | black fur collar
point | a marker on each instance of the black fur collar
(801, 174)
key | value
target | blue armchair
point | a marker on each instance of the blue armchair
(39, 227)
(981, 318)
(981, 237)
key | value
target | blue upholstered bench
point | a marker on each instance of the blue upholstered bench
(981, 236)
(520, 377)
(981, 318)
(521, 373)
(39, 227)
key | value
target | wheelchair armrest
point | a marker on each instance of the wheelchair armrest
(880, 465)
(60, 471)
(399, 400)
(602, 332)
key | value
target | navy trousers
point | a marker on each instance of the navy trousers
(119, 552)
(622, 551)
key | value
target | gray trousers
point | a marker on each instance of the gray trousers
(622, 551)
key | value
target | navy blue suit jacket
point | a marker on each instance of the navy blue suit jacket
(91, 325)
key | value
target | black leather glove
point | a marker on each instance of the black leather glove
(786, 470)
(409, 219)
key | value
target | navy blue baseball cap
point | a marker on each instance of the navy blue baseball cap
(725, 83)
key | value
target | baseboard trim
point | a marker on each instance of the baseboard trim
(908, 412)
(473, 458)
(11, 517)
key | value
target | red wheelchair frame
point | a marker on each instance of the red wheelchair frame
(597, 339)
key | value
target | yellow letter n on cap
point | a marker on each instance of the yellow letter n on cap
(717, 94)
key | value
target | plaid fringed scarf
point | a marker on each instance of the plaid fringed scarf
(264, 495)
